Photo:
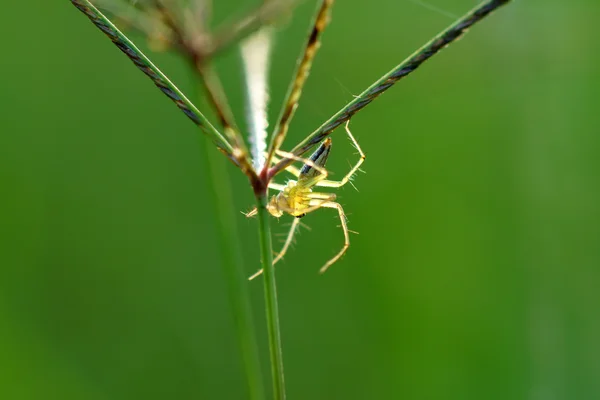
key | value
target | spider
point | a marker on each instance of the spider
(298, 199)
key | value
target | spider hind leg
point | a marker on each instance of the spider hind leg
(316, 201)
(353, 170)
(286, 245)
(331, 204)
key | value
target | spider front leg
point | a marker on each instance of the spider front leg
(337, 206)
(287, 243)
(346, 179)
(322, 171)
(276, 186)
(273, 186)
(317, 200)
(290, 168)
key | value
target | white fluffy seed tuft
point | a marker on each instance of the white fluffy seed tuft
(256, 52)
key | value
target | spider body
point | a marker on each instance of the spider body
(297, 198)
(293, 199)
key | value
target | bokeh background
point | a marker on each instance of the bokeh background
(476, 271)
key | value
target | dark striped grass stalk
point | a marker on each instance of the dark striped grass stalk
(155, 74)
(302, 70)
(231, 254)
(271, 305)
(414, 61)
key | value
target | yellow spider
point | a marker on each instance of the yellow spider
(298, 199)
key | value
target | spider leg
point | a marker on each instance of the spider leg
(288, 240)
(290, 168)
(251, 213)
(276, 186)
(317, 200)
(321, 196)
(331, 204)
(345, 179)
(323, 172)
(272, 185)
(285, 247)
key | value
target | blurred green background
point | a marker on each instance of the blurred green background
(476, 271)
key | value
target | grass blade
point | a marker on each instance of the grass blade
(449, 35)
(235, 273)
(271, 307)
(302, 70)
(159, 79)
(214, 89)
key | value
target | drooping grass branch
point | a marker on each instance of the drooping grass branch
(155, 74)
(431, 48)
(197, 57)
(229, 241)
(302, 70)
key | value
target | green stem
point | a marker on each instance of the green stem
(152, 71)
(271, 308)
(233, 267)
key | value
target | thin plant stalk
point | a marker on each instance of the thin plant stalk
(155, 74)
(229, 238)
(233, 266)
(271, 307)
(257, 100)
(255, 55)
(292, 97)
(214, 90)
(443, 39)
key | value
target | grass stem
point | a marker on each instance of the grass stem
(233, 265)
(271, 307)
